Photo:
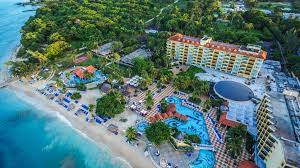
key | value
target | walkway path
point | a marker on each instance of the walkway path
(161, 11)
(222, 158)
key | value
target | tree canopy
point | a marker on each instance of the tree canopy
(111, 104)
(158, 132)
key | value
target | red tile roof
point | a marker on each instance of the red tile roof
(177, 115)
(152, 119)
(79, 72)
(171, 108)
(164, 115)
(224, 121)
(170, 114)
(90, 69)
(183, 117)
(247, 164)
(217, 46)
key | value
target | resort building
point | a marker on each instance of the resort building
(244, 61)
(82, 71)
(277, 144)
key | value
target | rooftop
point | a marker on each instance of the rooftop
(249, 50)
(281, 118)
(284, 128)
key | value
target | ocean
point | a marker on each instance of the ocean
(32, 138)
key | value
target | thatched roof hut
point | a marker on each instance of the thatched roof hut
(105, 87)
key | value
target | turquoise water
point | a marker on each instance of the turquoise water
(194, 126)
(31, 138)
(98, 77)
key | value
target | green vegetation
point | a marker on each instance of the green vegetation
(234, 140)
(76, 96)
(187, 82)
(149, 100)
(87, 24)
(81, 87)
(91, 107)
(213, 103)
(158, 132)
(111, 104)
(195, 99)
(249, 143)
(193, 138)
(163, 106)
(131, 133)
(187, 148)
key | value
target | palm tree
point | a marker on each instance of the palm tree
(149, 100)
(131, 133)
(68, 75)
(91, 107)
(234, 140)
(59, 83)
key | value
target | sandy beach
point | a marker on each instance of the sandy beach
(98, 133)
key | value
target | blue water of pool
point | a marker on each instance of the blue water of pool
(141, 127)
(98, 77)
(194, 125)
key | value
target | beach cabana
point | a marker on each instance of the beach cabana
(113, 128)
(105, 87)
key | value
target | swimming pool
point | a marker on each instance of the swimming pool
(141, 127)
(194, 125)
(233, 91)
(98, 77)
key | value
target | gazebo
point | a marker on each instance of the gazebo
(105, 87)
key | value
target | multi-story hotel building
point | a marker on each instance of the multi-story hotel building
(277, 143)
(244, 61)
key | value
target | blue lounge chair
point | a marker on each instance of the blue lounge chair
(85, 106)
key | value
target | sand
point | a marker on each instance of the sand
(98, 133)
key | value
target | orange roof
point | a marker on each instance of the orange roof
(152, 119)
(177, 115)
(171, 108)
(79, 72)
(247, 164)
(164, 115)
(90, 69)
(217, 46)
(169, 113)
(158, 117)
(224, 121)
(183, 117)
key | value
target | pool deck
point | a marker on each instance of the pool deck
(222, 158)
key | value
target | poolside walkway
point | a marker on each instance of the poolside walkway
(222, 158)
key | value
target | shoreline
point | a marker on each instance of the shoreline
(115, 144)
